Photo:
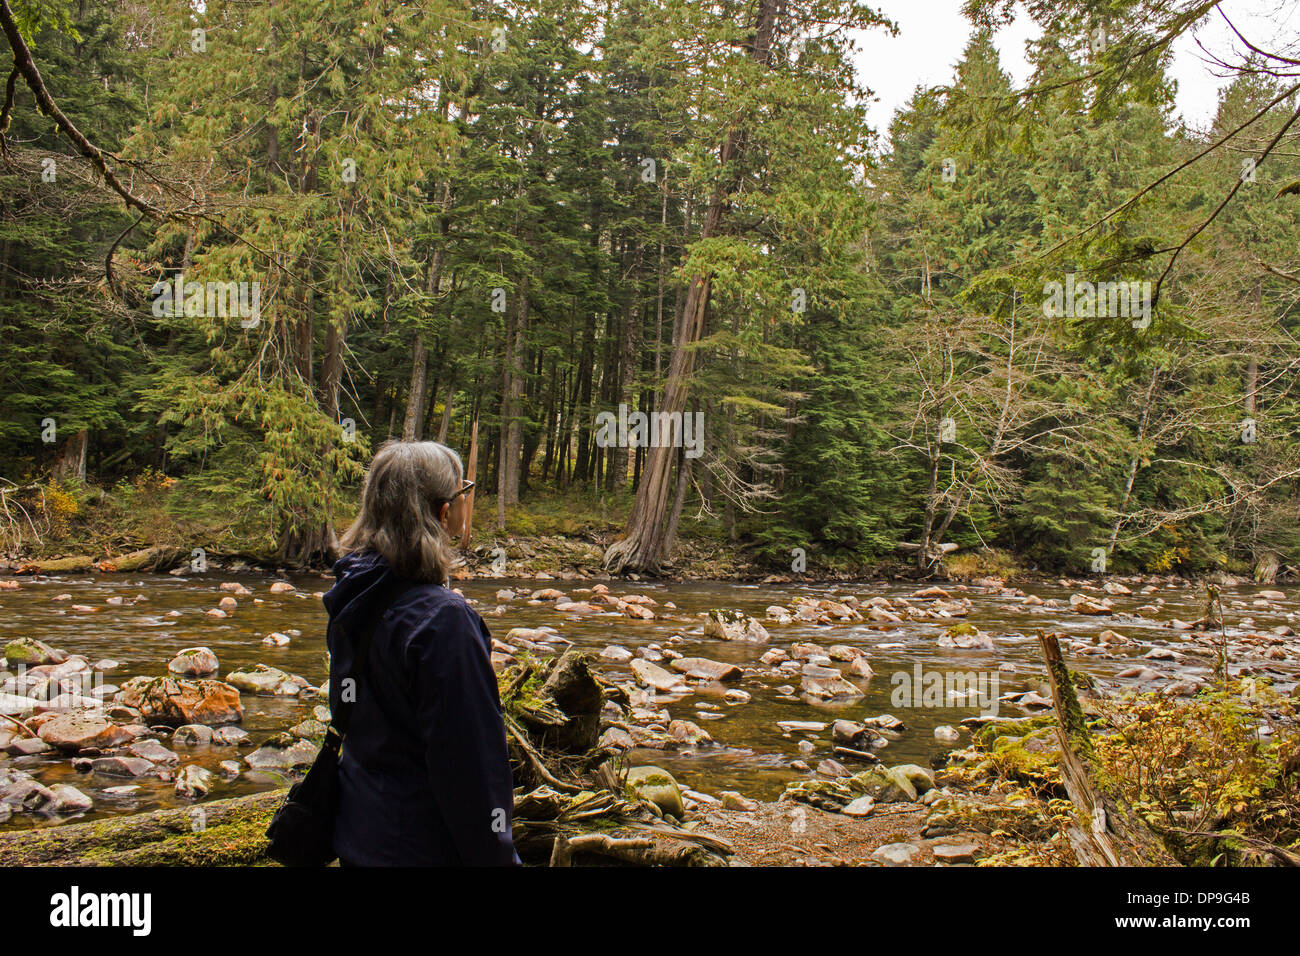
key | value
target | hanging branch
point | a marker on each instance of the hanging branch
(24, 64)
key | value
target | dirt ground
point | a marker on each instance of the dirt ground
(793, 834)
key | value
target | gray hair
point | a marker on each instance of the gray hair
(405, 489)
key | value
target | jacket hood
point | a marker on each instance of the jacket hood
(362, 580)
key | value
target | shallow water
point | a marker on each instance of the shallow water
(751, 753)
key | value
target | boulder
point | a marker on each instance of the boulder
(656, 786)
(175, 702)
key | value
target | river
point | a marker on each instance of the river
(751, 753)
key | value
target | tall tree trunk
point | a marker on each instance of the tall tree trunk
(642, 547)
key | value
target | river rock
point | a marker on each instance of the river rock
(154, 752)
(309, 729)
(175, 702)
(731, 800)
(78, 731)
(17, 705)
(689, 732)
(652, 675)
(656, 786)
(885, 786)
(705, 669)
(956, 852)
(616, 738)
(920, 778)
(849, 733)
(68, 799)
(282, 587)
(29, 651)
(826, 683)
(809, 726)
(192, 735)
(276, 639)
(884, 722)
(264, 681)
(121, 766)
(946, 734)
(27, 747)
(729, 625)
(896, 854)
(193, 781)
(283, 752)
(617, 654)
(24, 793)
(194, 662)
(860, 807)
(232, 736)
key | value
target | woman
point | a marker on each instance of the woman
(424, 775)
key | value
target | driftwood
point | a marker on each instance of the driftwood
(148, 559)
(1108, 833)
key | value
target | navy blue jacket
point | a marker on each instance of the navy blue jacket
(424, 774)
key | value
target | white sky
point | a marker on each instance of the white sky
(933, 33)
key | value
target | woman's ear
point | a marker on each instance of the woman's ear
(443, 512)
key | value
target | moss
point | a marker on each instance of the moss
(233, 834)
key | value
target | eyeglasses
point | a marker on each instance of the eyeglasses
(469, 486)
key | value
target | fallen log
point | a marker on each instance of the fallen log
(218, 833)
(1108, 832)
(147, 559)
